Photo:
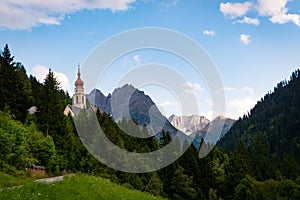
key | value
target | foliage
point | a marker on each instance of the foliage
(181, 185)
(249, 188)
(21, 145)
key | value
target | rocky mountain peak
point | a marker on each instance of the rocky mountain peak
(189, 124)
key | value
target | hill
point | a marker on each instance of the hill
(75, 187)
(270, 133)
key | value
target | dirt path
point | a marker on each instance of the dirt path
(50, 180)
(44, 180)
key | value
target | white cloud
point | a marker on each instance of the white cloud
(137, 59)
(239, 107)
(190, 88)
(285, 18)
(167, 103)
(209, 102)
(40, 72)
(208, 114)
(198, 87)
(25, 14)
(276, 10)
(234, 10)
(271, 7)
(247, 91)
(168, 3)
(189, 91)
(245, 39)
(239, 101)
(248, 20)
(209, 33)
(229, 89)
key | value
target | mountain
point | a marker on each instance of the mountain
(189, 124)
(209, 132)
(96, 97)
(129, 103)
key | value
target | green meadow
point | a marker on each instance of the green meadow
(72, 187)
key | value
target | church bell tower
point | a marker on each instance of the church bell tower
(79, 98)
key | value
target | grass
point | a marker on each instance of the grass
(7, 180)
(75, 187)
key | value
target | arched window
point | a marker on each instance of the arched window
(76, 99)
(82, 99)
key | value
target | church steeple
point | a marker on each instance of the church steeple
(78, 82)
(79, 98)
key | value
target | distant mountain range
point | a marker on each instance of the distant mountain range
(189, 124)
(209, 131)
(129, 103)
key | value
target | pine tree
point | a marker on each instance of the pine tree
(155, 185)
(15, 89)
(181, 185)
(50, 115)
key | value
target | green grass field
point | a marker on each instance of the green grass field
(7, 180)
(81, 187)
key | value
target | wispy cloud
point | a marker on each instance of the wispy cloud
(248, 20)
(167, 103)
(229, 89)
(209, 102)
(247, 91)
(168, 3)
(239, 107)
(191, 88)
(25, 14)
(209, 32)
(241, 100)
(40, 72)
(137, 59)
(245, 39)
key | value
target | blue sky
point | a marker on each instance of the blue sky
(254, 44)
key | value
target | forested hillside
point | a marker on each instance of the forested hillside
(270, 132)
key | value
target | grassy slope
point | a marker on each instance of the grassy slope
(75, 187)
(10, 181)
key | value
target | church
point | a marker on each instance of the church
(79, 97)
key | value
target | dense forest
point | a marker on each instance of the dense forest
(257, 159)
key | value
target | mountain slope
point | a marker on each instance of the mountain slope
(272, 127)
(188, 124)
(208, 132)
(130, 103)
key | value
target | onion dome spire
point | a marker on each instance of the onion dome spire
(78, 82)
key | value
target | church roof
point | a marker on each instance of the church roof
(76, 110)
